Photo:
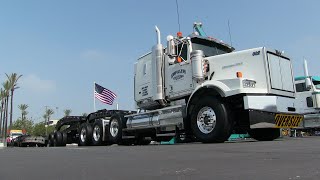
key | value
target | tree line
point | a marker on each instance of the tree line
(23, 122)
(6, 95)
(36, 129)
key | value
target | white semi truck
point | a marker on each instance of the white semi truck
(308, 99)
(199, 87)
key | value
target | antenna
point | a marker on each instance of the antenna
(178, 14)
(229, 32)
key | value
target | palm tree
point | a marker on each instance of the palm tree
(23, 108)
(2, 96)
(13, 81)
(67, 112)
(47, 116)
(6, 86)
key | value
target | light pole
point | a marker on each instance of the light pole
(46, 122)
(57, 108)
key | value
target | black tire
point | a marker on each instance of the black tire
(115, 129)
(64, 139)
(58, 138)
(97, 133)
(264, 134)
(50, 140)
(85, 134)
(221, 131)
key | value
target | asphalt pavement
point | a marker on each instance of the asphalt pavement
(288, 158)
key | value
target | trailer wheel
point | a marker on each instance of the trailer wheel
(97, 133)
(64, 138)
(210, 121)
(58, 139)
(264, 134)
(50, 139)
(115, 129)
(85, 134)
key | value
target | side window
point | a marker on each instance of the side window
(309, 102)
(301, 87)
(183, 51)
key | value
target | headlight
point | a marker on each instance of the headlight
(248, 83)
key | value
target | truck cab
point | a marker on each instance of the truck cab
(14, 133)
(196, 82)
(308, 99)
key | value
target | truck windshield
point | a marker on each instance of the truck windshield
(209, 48)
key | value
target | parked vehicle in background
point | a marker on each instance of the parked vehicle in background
(308, 100)
(29, 141)
(14, 133)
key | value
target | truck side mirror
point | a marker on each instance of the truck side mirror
(308, 83)
(171, 51)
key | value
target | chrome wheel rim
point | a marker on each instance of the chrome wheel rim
(206, 120)
(114, 128)
(83, 134)
(96, 133)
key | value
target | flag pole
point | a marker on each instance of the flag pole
(117, 105)
(94, 98)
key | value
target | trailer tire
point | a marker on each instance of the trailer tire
(115, 129)
(50, 140)
(58, 139)
(64, 139)
(210, 122)
(85, 134)
(97, 133)
(264, 134)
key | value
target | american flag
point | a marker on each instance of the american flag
(104, 95)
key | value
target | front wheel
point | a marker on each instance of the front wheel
(264, 134)
(210, 121)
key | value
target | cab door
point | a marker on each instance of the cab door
(178, 81)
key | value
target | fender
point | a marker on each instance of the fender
(216, 86)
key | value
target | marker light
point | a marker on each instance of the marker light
(179, 34)
(239, 74)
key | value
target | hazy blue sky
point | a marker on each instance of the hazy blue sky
(61, 47)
